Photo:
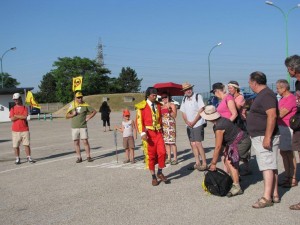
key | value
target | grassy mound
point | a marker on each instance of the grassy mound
(115, 101)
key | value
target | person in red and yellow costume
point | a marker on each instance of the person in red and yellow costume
(149, 125)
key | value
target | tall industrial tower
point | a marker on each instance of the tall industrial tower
(100, 59)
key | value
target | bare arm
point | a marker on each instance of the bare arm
(271, 122)
(71, 114)
(198, 117)
(185, 119)
(134, 130)
(232, 108)
(90, 116)
(121, 128)
(18, 117)
(173, 110)
(218, 147)
(283, 112)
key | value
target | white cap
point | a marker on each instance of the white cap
(16, 96)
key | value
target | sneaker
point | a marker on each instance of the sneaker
(30, 160)
(18, 161)
(235, 190)
(89, 159)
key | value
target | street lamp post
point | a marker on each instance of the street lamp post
(1, 59)
(285, 16)
(209, 79)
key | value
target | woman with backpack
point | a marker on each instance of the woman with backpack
(227, 134)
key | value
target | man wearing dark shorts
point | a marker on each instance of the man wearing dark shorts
(191, 107)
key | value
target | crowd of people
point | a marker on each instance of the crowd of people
(265, 128)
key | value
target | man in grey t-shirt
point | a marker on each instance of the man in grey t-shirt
(263, 130)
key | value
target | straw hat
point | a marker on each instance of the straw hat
(210, 113)
(186, 86)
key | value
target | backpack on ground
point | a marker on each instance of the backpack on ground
(217, 182)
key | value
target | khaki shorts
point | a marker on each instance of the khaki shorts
(18, 137)
(286, 134)
(266, 159)
(79, 133)
(128, 142)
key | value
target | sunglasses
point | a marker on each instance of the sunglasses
(79, 97)
(162, 97)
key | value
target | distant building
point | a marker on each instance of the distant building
(6, 101)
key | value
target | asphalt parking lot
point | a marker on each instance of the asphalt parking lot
(56, 190)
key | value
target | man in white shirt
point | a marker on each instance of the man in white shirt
(191, 107)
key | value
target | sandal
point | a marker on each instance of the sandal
(276, 199)
(295, 207)
(203, 167)
(262, 203)
(126, 161)
(79, 160)
(292, 183)
(168, 161)
(174, 162)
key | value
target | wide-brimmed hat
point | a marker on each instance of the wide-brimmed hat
(186, 86)
(78, 94)
(210, 113)
(126, 112)
(217, 86)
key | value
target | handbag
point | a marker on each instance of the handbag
(217, 182)
(295, 122)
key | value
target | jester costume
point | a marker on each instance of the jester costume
(150, 122)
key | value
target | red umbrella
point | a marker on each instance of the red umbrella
(171, 88)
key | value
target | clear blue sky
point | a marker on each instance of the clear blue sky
(161, 40)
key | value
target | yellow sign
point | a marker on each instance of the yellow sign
(77, 83)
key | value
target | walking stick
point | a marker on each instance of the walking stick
(116, 143)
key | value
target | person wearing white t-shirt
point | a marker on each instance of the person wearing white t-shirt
(191, 107)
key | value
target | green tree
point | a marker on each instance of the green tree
(128, 81)
(95, 80)
(47, 88)
(8, 81)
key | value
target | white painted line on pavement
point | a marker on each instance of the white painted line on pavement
(38, 163)
(114, 164)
